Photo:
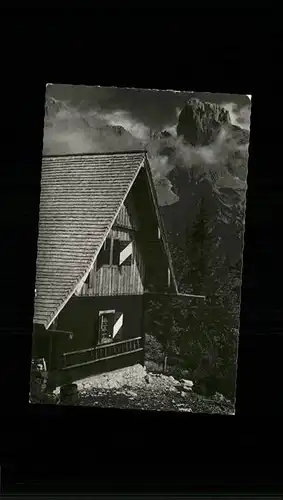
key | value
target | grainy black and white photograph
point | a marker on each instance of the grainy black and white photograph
(140, 249)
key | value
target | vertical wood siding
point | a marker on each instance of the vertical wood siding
(119, 280)
(127, 216)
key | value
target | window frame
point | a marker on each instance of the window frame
(115, 316)
(111, 313)
(114, 253)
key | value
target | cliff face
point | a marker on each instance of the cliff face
(213, 170)
(200, 122)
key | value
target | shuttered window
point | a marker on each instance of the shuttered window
(110, 326)
(105, 329)
(116, 253)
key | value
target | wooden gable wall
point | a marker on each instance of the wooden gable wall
(112, 279)
(135, 223)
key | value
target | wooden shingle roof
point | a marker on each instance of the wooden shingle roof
(80, 198)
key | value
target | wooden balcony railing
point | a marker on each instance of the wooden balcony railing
(103, 352)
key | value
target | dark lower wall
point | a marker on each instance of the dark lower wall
(80, 316)
(99, 367)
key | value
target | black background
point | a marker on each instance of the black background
(224, 51)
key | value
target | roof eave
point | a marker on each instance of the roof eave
(160, 222)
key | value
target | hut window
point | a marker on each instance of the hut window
(110, 326)
(103, 258)
(106, 321)
(126, 253)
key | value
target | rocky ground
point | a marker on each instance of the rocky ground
(135, 388)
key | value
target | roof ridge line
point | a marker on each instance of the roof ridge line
(132, 151)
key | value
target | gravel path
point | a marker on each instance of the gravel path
(135, 388)
(145, 399)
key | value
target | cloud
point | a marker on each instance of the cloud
(160, 165)
(69, 130)
(172, 129)
(72, 130)
(239, 116)
(224, 161)
(124, 119)
(165, 193)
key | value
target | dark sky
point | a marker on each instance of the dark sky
(156, 109)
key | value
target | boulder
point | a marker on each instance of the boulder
(187, 383)
(185, 388)
(69, 394)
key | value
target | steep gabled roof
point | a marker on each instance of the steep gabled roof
(81, 196)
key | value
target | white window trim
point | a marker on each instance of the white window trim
(107, 311)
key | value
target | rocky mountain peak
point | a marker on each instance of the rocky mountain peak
(52, 106)
(200, 122)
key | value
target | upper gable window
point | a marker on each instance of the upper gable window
(115, 253)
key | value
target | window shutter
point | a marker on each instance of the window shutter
(126, 252)
(118, 323)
